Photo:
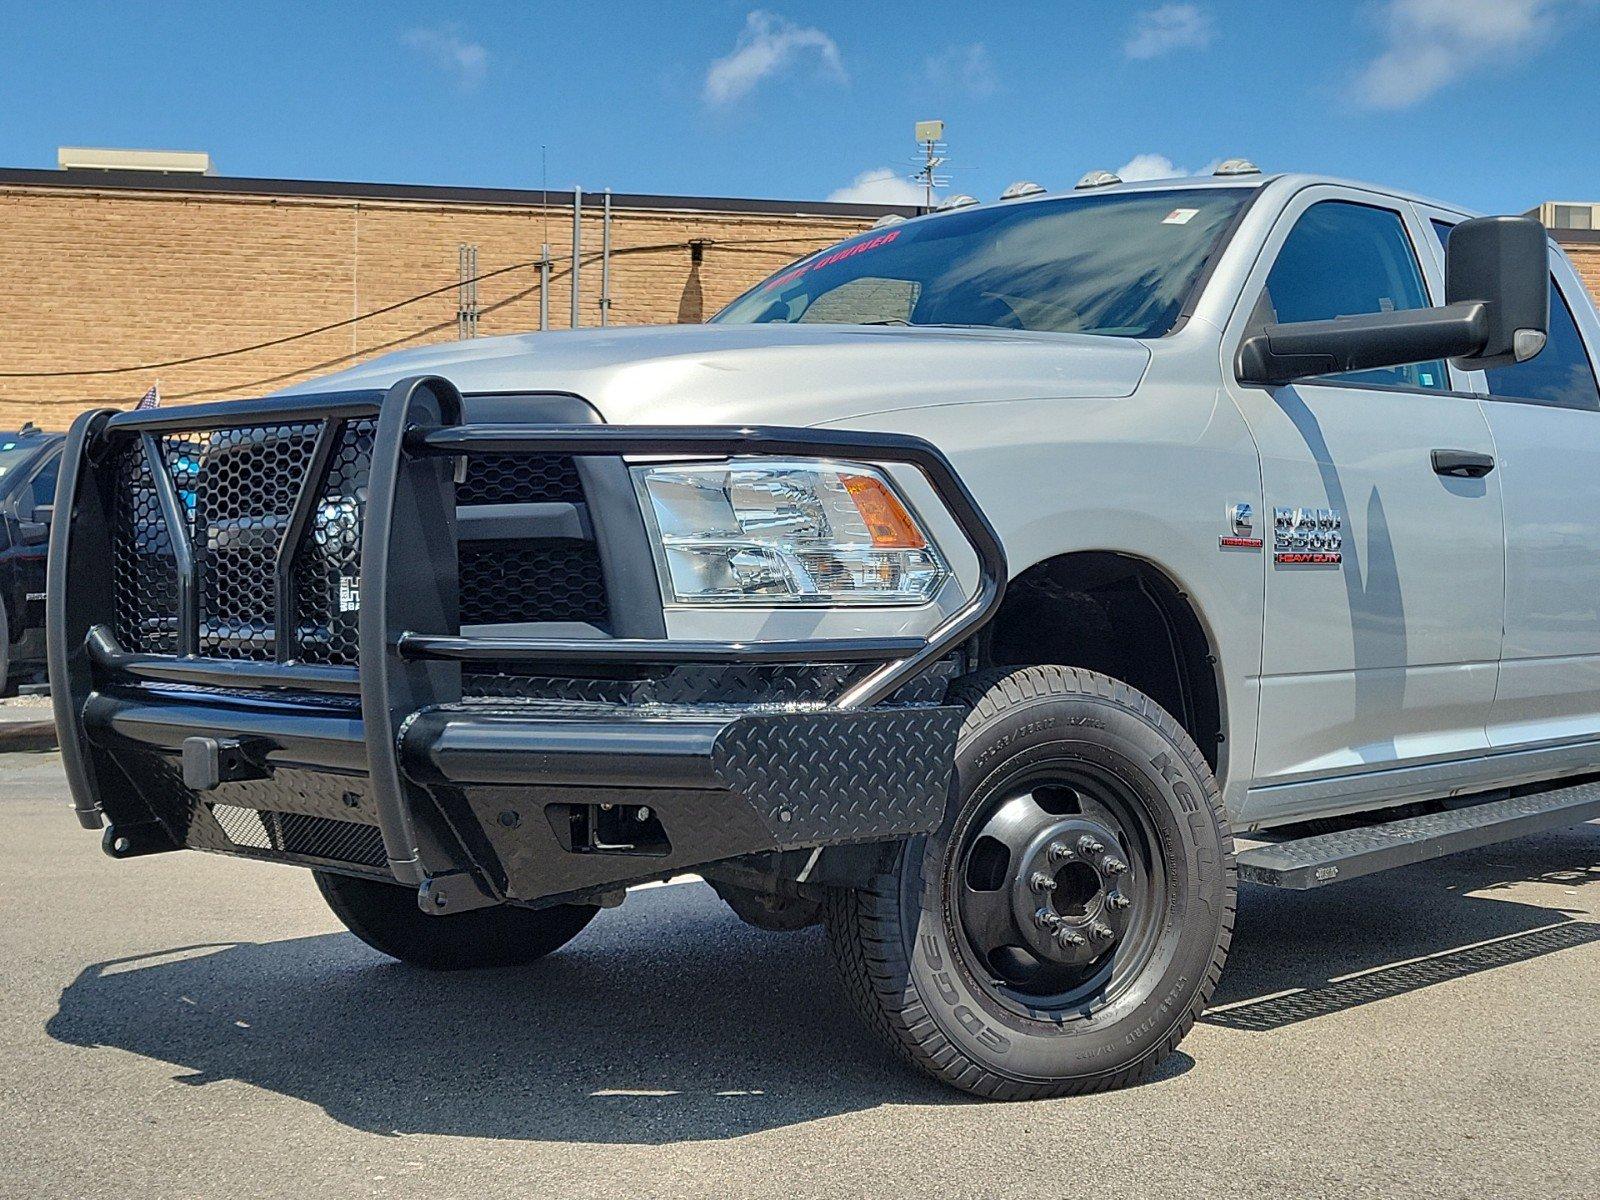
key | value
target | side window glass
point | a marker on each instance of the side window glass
(1561, 374)
(43, 484)
(1343, 259)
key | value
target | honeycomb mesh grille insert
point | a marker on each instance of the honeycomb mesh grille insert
(144, 574)
(520, 479)
(327, 573)
(512, 581)
(294, 833)
(240, 493)
(237, 490)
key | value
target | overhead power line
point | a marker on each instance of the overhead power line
(85, 372)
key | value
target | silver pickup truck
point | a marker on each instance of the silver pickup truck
(967, 587)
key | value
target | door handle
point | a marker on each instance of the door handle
(1462, 464)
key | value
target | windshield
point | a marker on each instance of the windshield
(1119, 264)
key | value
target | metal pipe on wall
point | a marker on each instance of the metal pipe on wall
(544, 286)
(605, 261)
(577, 250)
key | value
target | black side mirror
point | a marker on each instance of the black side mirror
(1497, 284)
(1504, 262)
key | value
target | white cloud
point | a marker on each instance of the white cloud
(881, 185)
(966, 67)
(1431, 43)
(768, 45)
(1159, 166)
(467, 62)
(1157, 31)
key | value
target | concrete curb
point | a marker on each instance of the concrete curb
(27, 735)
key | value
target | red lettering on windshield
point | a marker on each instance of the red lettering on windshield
(833, 256)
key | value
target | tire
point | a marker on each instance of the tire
(1062, 777)
(385, 916)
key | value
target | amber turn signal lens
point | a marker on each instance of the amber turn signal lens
(887, 521)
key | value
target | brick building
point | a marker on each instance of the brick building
(1576, 229)
(120, 268)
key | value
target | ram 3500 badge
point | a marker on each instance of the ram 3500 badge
(891, 598)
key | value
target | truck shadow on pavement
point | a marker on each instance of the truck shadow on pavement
(668, 1021)
(1302, 955)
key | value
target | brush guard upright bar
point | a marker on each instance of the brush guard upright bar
(256, 648)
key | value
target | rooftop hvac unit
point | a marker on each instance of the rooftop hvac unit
(178, 162)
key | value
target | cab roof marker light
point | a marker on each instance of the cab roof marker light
(887, 219)
(1097, 179)
(960, 200)
(1237, 166)
(1021, 188)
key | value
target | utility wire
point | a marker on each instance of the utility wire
(378, 312)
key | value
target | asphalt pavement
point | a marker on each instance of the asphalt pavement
(188, 1025)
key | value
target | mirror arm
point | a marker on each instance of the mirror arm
(1278, 354)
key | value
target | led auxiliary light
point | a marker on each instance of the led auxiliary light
(764, 531)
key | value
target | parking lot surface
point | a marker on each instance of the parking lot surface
(187, 1025)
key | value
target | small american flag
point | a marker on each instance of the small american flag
(152, 398)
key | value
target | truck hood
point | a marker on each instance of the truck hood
(774, 374)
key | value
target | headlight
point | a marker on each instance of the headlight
(764, 531)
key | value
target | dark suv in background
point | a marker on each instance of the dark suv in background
(29, 459)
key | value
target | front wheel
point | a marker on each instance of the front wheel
(385, 916)
(1064, 927)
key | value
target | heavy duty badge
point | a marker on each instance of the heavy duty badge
(1307, 536)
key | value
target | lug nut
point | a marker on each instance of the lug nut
(1118, 900)
(1102, 933)
(1059, 852)
(1042, 882)
(1087, 845)
(1044, 918)
(1069, 937)
(1114, 866)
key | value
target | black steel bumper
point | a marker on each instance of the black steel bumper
(386, 767)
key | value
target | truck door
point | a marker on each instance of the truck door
(1383, 576)
(27, 546)
(1545, 418)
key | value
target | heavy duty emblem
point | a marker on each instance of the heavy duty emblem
(1307, 536)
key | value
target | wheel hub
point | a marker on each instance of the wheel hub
(1065, 895)
(1051, 887)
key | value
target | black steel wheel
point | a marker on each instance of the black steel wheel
(1058, 880)
(386, 917)
(1064, 927)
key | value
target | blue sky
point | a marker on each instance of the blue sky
(1486, 102)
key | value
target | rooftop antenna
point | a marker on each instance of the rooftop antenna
(931, 135)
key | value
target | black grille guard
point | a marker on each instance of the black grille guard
(410, 646)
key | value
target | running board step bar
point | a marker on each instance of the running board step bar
(1315, 862)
